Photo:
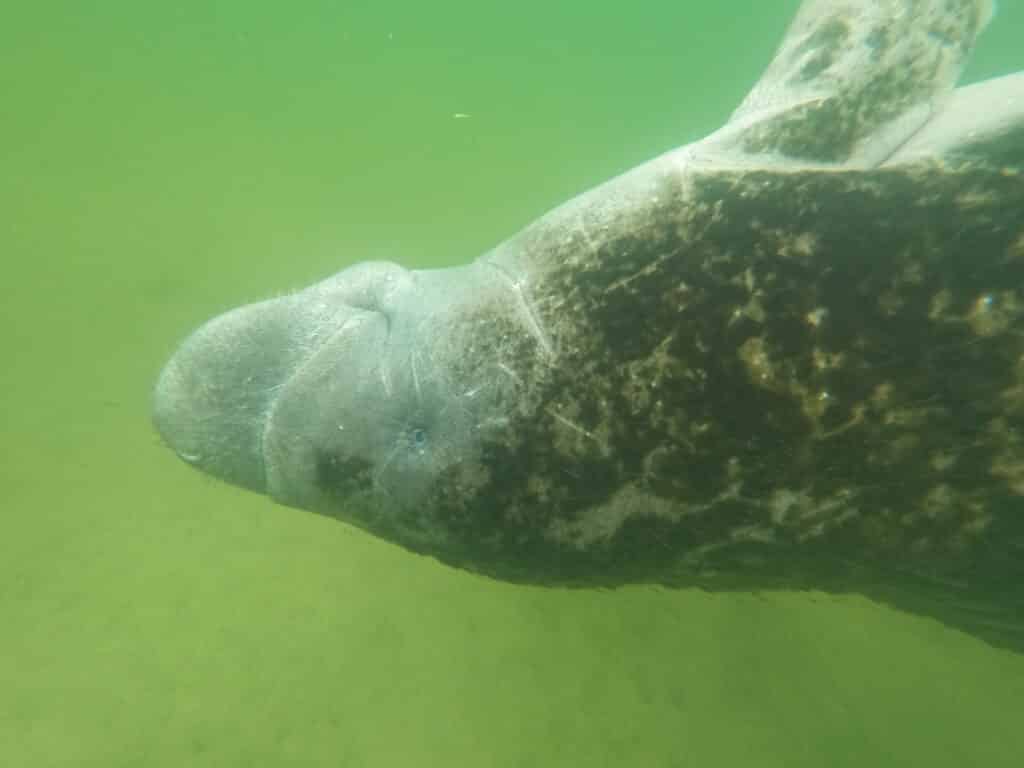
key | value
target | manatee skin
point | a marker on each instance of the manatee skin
(734, 367)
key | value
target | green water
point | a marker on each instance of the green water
(161, 162)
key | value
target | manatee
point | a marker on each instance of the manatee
(789, 356)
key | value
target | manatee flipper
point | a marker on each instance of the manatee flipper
(853, 80)
(983, 121)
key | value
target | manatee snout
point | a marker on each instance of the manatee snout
(221, 400)
(213, 396)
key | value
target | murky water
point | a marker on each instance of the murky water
(162, 162)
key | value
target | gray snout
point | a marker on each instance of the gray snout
(216, 395)
(212, 398)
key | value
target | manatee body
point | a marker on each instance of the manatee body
(789, 356)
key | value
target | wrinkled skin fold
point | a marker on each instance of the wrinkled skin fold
(789, 356)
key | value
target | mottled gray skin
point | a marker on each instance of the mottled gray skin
(788, 356)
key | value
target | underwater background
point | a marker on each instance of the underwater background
(163, 162)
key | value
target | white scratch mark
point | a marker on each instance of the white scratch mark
(524, 304)
(415, 377)
(575, 427)
(510, 373)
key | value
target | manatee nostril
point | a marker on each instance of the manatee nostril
(419, 439)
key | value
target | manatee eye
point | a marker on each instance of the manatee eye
(419, 439)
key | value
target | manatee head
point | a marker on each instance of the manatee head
(370, 397)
